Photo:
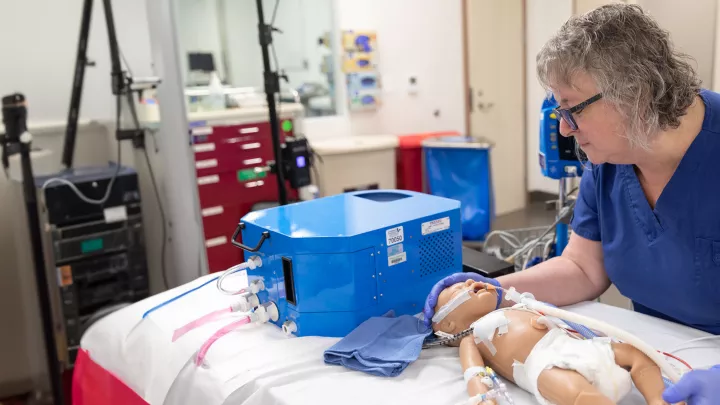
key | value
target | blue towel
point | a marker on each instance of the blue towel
(382, 346)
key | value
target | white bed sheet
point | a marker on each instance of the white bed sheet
(258, 364)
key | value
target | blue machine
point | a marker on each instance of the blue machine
(558, 160)
(330, 264)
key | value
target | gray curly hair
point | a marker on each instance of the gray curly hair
(633, 63)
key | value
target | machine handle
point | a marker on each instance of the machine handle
(241, 226)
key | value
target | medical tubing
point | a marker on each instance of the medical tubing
(155, 308)
(606, 328)
(251, 264)
(212, 316)
(217, 335)
(683, 346)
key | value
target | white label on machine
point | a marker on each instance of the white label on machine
(436, 225)
(208, 180)
(394, 235)
(204, 147)
(397, 259)
(115, 214)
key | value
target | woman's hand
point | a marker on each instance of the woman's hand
(698, 387)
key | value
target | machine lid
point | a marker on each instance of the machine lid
(350, 214)
(463, 142)
(354, 144)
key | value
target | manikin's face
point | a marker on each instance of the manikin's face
(483, 300)
(600, 132)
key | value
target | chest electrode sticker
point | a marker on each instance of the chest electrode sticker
(394, 235)
(436, 225)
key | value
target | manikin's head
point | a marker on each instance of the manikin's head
(478, 299)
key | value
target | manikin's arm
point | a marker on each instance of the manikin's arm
(577, 275)
(470, 357)
(645, 373)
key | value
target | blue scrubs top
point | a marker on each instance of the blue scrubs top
(667, 259)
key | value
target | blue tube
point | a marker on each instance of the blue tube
(178, 297)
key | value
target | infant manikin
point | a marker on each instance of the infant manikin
(526, 348)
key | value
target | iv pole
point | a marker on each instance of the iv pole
(272, 87)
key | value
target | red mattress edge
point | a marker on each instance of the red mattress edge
(93, 385)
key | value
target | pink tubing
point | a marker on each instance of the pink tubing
(200, 322)
(220, 333)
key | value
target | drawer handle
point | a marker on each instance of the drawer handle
(265, 235)
(254, 161)
(219, 241)
(199, 131)
(204, 147)
(208, 212)
(248, 146)
(208, 180)
(206, 164)
(250, 130)
(253, 184)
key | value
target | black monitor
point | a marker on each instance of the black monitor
(202, 61)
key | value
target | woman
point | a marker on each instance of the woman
(647, 217)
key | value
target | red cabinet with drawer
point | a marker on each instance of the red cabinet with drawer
(221, 153)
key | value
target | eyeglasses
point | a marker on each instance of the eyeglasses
(567, 113)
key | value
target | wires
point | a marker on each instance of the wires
(274, 14)
(678, 359)
(74, 188)
(682, 346)
(136, 122)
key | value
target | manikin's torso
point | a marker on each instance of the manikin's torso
(522, 335)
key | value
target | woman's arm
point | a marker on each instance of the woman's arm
(578, 275)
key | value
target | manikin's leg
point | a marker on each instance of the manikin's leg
(567, 387)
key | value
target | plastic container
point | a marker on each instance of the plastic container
(409, 159)
(216, 100)
(458, 167)
(354, 163)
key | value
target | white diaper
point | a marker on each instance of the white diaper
(593, 359)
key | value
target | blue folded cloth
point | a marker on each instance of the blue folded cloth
(382, 346)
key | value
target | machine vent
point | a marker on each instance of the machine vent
(436, 253)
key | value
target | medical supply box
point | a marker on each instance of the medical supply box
(330, 264)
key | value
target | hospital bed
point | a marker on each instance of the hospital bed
(259, 364)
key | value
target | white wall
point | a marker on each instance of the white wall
(716, 56)
(421, 38)
(543, 19)
(198, 31)
(39, 54)
(692, 30)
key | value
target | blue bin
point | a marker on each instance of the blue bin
(458, 167)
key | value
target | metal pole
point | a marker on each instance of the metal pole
(561, 229)
(272, 86)
(77, 87)
(14, 115)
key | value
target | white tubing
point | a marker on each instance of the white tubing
(591, 323)
(250, 263)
